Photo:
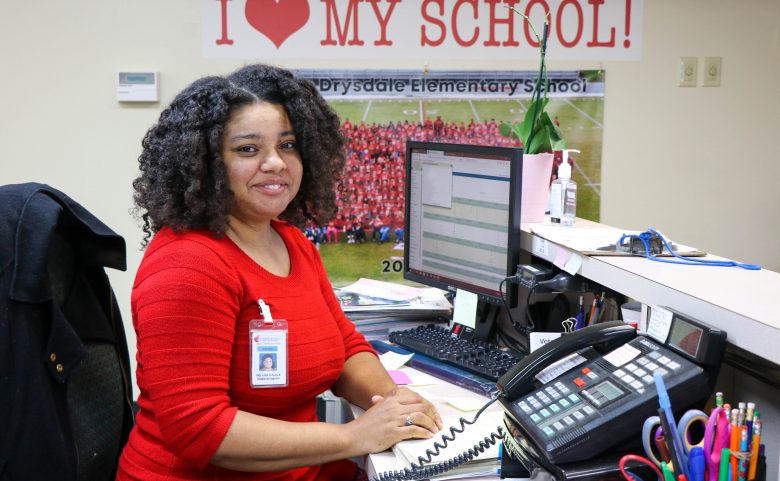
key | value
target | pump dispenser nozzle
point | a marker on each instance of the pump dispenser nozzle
(564, 170)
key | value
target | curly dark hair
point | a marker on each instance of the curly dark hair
(183, 181)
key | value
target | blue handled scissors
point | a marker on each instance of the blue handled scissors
(692, 430)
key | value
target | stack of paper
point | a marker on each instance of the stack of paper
(381, 304)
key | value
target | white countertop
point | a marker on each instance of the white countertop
(744, 303)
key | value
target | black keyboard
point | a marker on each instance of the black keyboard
(479, 357)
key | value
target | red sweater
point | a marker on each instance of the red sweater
(192, 301)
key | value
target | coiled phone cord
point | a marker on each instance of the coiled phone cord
(419, 471)
(647, 235)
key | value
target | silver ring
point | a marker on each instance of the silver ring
(409, 420)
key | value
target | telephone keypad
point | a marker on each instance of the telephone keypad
(562, 387)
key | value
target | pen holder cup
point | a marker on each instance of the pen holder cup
(537, 171)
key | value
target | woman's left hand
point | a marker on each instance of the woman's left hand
(418, 410)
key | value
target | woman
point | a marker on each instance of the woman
(227, 160)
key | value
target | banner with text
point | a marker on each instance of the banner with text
(345, 84)
(421, 30)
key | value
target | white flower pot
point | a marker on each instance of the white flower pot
(537, 169)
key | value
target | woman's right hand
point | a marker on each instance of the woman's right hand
(385, 422)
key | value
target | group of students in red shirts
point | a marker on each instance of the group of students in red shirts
(370, 198)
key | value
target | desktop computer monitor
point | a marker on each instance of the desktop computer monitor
(462, 223)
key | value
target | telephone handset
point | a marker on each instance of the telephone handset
(606, 336)
(590, 391)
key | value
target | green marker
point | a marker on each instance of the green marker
(668, 476)
(725, 455)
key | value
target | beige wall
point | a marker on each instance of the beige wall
(698, 163)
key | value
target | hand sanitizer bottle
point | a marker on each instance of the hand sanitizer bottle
(563, 194)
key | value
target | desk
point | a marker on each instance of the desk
(743, 303)
(438, 392)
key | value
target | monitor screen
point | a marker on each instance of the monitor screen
(462, 223)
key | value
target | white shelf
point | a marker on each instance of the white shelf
(745, 304)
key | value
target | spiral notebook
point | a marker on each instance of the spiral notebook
(487, 462)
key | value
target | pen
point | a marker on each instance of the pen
(754, 447)
(725, 454)
(580, 318)
(743, 447)
(678, 455)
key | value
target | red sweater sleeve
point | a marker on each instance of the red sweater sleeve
(185, 304)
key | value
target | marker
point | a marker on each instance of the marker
(718, 399)
(663, 451)
(668, 476)
(696, 463)
(725, 454)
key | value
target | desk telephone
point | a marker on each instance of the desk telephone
(601, 403)
(590, 391)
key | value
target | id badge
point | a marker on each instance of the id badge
(268, 350)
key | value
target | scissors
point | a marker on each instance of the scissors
(716, 437)
(693, 429)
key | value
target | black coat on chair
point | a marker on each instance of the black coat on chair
(65, 389)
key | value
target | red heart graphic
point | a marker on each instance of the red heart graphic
(277, 19)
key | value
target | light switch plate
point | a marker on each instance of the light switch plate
(712, 70)
(688, 71)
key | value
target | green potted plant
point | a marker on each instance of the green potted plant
(540, 137)
(537, 131)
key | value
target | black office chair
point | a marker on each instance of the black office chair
(65, 389)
